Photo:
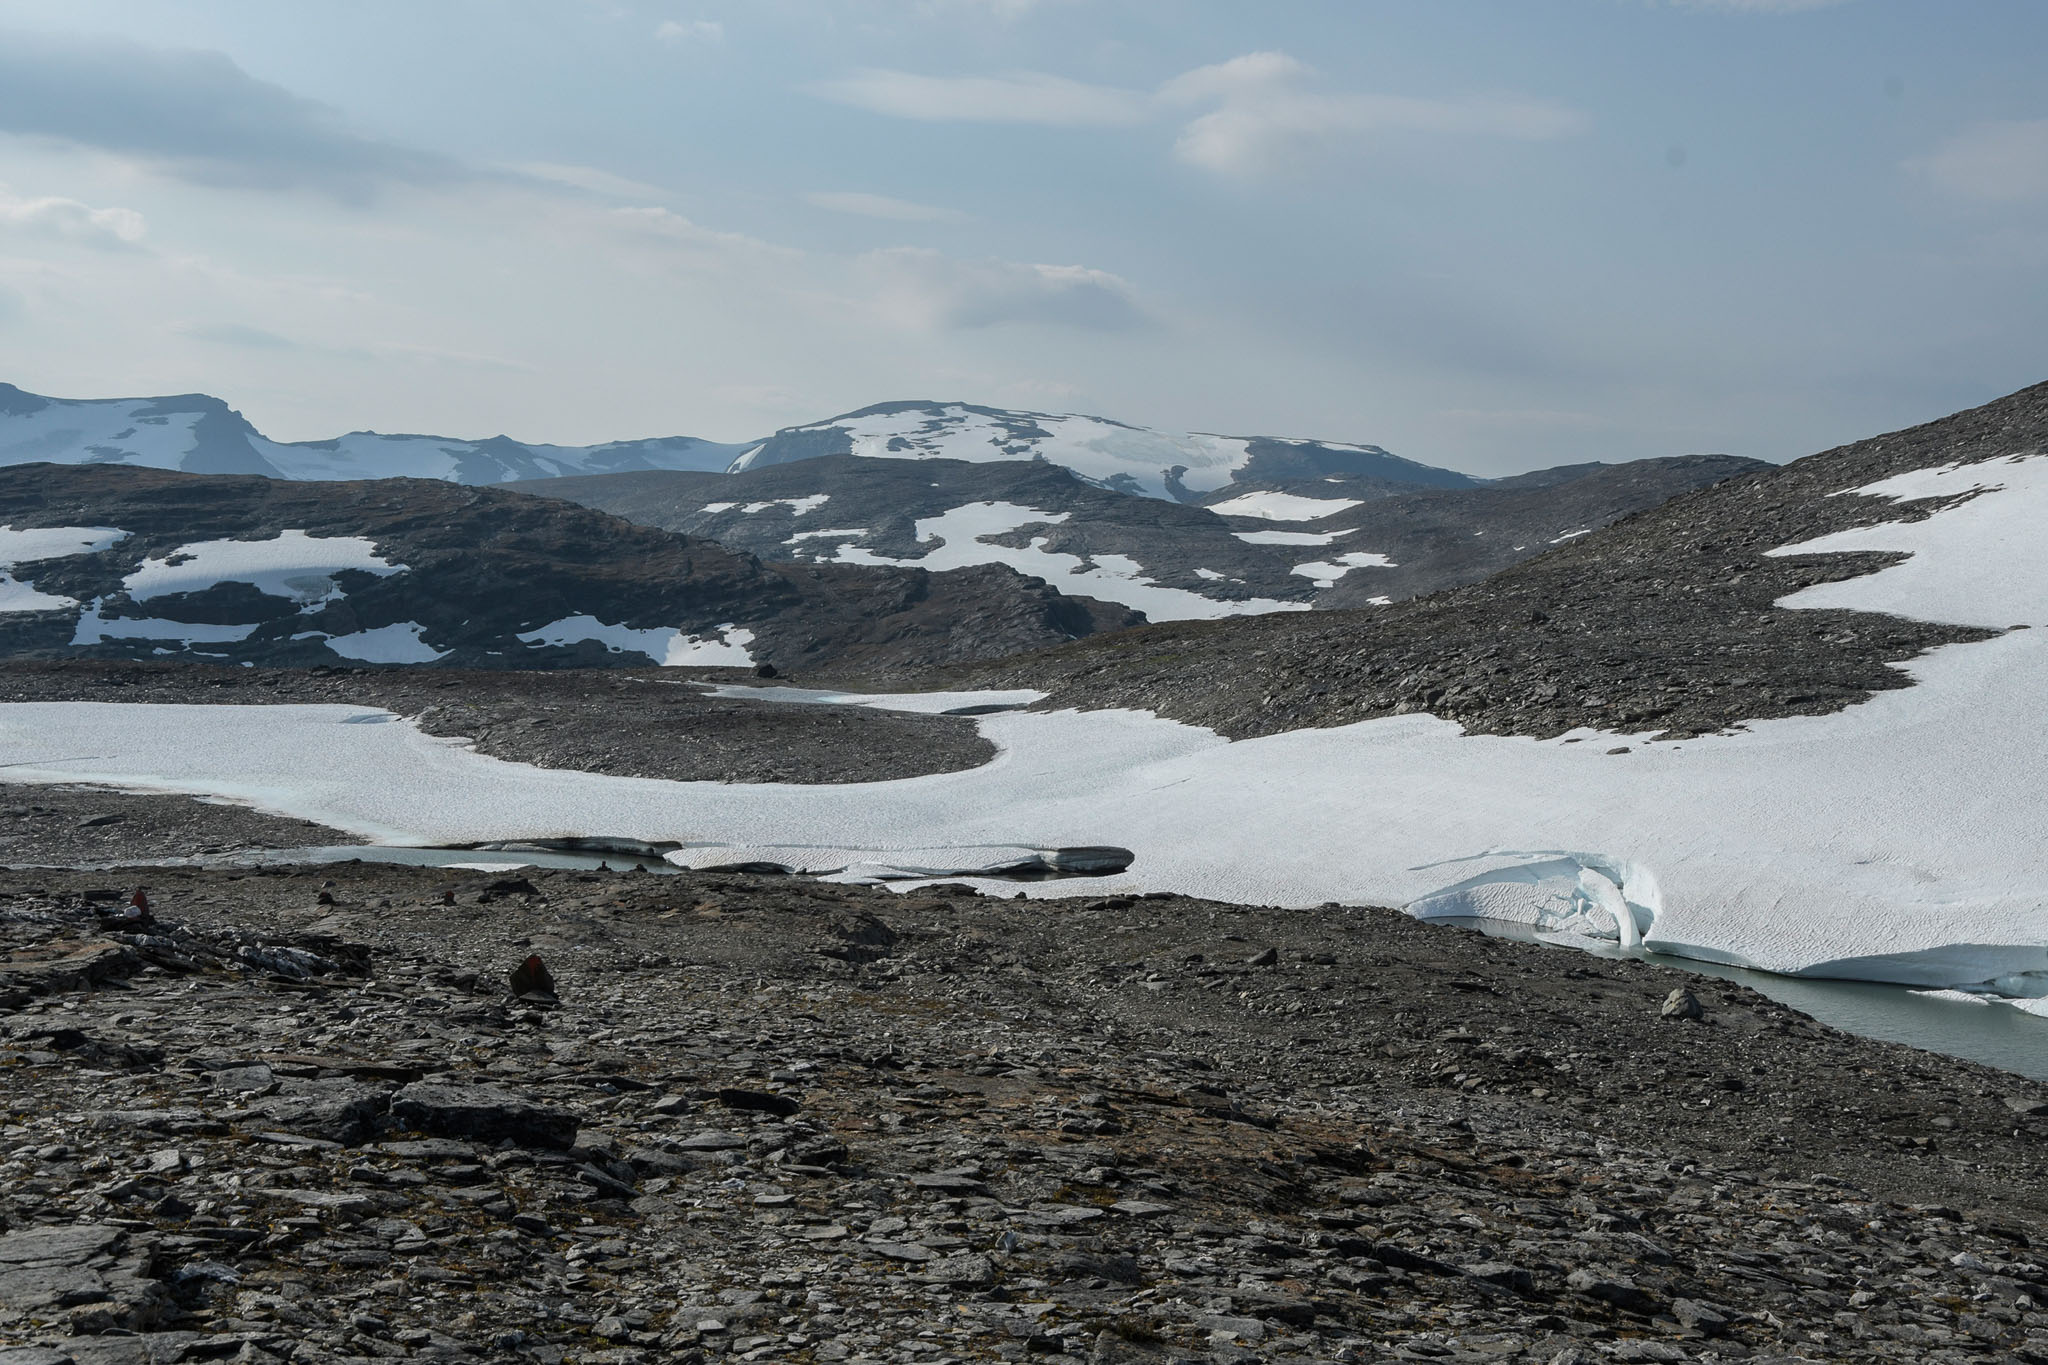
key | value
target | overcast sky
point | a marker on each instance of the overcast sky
(1486, 235)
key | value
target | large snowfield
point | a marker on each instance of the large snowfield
(1897, 840)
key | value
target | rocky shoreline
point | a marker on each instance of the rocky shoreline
(300, 1116)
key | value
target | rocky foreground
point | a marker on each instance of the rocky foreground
(300, 1115)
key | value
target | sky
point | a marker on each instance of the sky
(1488, 234)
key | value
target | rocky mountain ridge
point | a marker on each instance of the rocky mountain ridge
(1263, 549)
(1666, 620)
(246, 569)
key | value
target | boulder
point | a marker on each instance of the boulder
(484, 1112)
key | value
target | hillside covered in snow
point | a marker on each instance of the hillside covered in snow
(114, 562)
(1251, 552)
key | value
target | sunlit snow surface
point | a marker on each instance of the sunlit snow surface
(1896, 840)
(291, 564)
(958, 541)
(1289, 537)
(39, 543)
(1283, 506)
(670, 648)
(399, 643)
(1326, 573)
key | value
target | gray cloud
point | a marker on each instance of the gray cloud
(194, 115)
(110, 229)
(239, 335)
(926, 289)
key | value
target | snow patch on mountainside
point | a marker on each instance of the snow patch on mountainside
(34, 544)
(1269, 506)
(1326, 573)
(727, 647)
(958, 540)
(292, 564)
(399, 643)
(1289, 537)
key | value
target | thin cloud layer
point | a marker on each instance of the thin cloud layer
(195, 116)
(1268, 113)
(922, 288)
(113, 229)
(1269, 118)
(884, 207)
(2004, 162)
(1030, 97)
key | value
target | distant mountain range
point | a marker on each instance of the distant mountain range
(199, 434)
(1177, 526)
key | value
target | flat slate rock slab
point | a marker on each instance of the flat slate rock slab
(49, 1269)
(485, 1112)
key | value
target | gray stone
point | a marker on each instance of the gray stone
(485, 1112)
(1681, 1004)
(959, 1270)
(334, 1111)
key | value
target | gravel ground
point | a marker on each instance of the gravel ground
(769, 1119)
(79, 826)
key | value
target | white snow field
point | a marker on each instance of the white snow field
(399, 643)
(1290, 537)
(1325, 573)
(1898, 840)
(32, 544)
(1267, 506)
(961, 533)
(727, 647)
(291, 564)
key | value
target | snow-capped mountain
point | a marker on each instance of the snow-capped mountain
(1116, 455)
(198, 434)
